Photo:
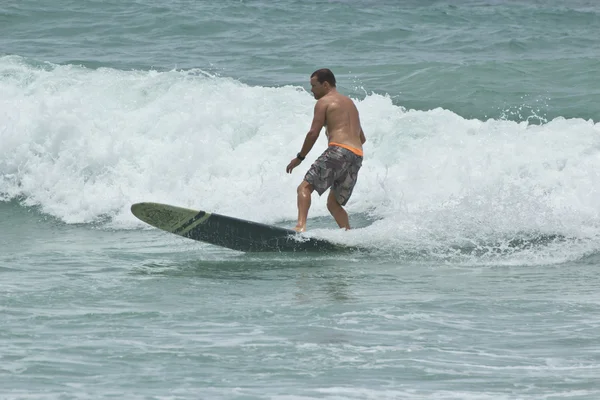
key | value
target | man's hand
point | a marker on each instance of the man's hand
(293, 164)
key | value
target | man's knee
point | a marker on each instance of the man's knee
(305, 187)
(332, 203)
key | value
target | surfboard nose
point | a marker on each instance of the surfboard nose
(136, 208)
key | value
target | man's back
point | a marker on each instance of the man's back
(342, 120)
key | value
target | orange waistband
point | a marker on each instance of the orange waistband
(356, 151)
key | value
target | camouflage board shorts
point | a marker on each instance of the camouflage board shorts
(337, 168)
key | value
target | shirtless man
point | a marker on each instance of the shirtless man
(338, 166)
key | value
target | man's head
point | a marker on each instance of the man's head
(321, 82)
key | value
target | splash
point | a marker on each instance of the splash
(83, 145)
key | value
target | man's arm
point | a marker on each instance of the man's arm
(363, 139)
(315, 128)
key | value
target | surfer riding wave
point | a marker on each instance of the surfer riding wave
(337, 167)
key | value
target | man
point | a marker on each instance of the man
(338, 166)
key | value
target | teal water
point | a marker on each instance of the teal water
(477, 200)
(142, 315)
(481, 59)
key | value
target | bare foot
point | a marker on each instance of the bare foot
(300, 228)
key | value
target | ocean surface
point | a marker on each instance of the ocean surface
(478, 202)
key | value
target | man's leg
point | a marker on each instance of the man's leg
(304, 196)
(338, 212)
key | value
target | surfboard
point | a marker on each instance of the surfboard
(233, 233)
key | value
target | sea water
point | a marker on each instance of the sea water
(478, 200)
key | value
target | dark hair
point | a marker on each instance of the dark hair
(324, 75)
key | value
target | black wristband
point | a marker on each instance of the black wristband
(299, 157)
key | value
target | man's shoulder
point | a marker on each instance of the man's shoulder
(324, 103)
(333, 99)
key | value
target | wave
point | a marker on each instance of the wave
(84, 144)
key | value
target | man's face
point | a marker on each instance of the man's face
(318, 89)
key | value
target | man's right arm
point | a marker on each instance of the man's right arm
(363, 139)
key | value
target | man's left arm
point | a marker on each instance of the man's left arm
(319, 117)
(315, 128)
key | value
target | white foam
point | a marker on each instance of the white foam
(85, 144)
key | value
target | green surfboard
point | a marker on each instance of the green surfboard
(224, 231)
